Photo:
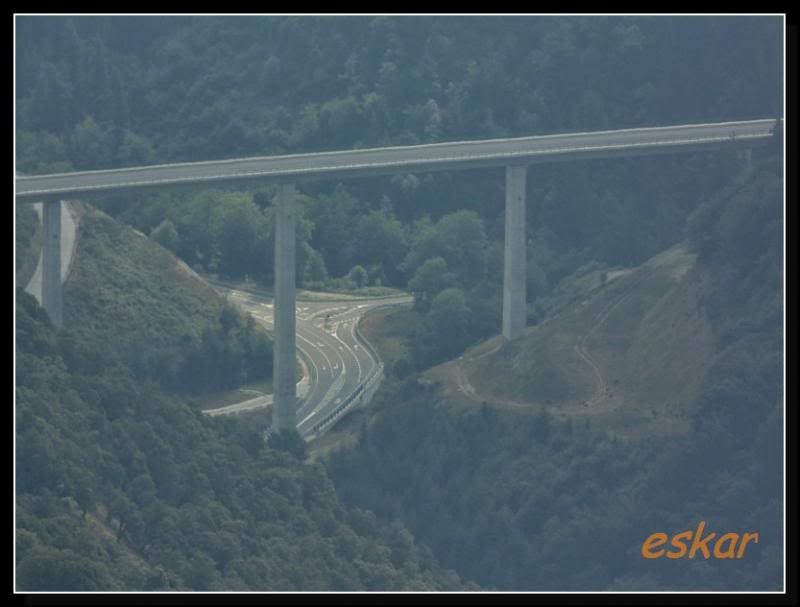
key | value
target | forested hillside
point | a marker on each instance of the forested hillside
(190, 88)
(561, 503)
(121, 487)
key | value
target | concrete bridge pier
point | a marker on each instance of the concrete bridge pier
(51, 261)
(284, 408)
(514, 304)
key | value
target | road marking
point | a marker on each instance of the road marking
(348, 316)
(355, 342)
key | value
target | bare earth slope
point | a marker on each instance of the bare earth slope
(632, 354)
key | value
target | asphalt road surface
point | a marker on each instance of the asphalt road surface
(336, 360)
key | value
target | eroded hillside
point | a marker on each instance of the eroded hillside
(633, 351)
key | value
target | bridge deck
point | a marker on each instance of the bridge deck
(383, 161)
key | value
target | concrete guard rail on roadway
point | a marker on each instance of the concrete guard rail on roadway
(361, 395)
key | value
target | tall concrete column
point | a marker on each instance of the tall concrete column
(284, 414)
(514, 305)
(51, 261)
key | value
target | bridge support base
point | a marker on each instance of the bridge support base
(51, 261)
(284, 411)
(514, 305)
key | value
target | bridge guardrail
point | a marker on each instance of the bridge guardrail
(363, 393)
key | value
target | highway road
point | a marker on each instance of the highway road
(402, 159)
(336, 359)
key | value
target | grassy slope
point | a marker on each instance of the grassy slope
(128, 294)
(386, 328)
(631, 350)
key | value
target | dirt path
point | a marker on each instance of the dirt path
(601, 390)
(601, 393)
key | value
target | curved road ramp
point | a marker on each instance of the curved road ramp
(341, 370)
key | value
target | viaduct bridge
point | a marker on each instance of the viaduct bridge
(515, 154)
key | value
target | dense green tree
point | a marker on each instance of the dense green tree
(90, 145)
(235, 224)
(460, 239)
(378, 238)
(46, 569)
(194, 224)
(289, 441)
(166, 235)
(41, 152)
(451, 315)
(315, 268)
(429, 279)
(51, 106)
(134, 150)
(333, 215)
(359, 276)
